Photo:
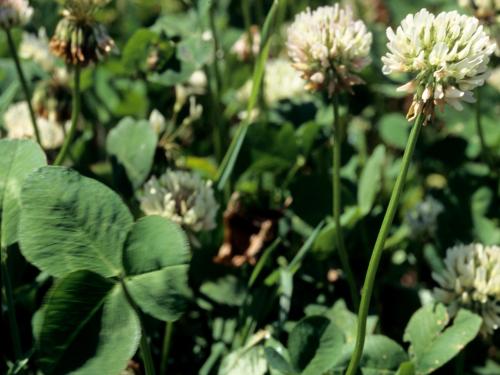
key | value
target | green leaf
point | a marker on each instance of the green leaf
(277, 362)
(156, 260)
(393, 130)
(19, 158)
(249, 361)
(227, 290)
(347, 321)
(133, 145)
(370, 180)
(315, 345)
(382, 353)
(406, 368)
(136, 50)
(88, 327)
(70, 222)
(432, 343)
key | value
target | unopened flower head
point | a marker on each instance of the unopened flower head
(19, 126)
(182, 197)
(248, 44)
(471, 279)
(14, 13)
(448, 53)
(327, 46)
(78, 38)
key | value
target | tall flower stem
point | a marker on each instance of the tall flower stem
(75, 114)
(24, 84)
(337, 204)
(149, 368)
(167, 340)
(379, 246)
(11, 313)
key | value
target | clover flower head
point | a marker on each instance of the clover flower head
(14, 13)
(281, 82)
(327, 46)
(449, 53)
(471, 279)
(19, 126)
(422, 219)
(182, 197)
(78, 38)
(36, 47)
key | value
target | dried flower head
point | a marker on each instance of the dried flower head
(52, 99)
(449, 53)
(182, 197)
(327, 46)
(14, 13)
(281, 81)
(471, 279)
(19, 126)
(248, 44)
(78, 38)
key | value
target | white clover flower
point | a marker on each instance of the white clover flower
(327, 45)
(36, 48)
(182, 197)
(14, 13)
(471, 279)
(449, 53)
(281, 81)
(422, 219)
(19, 126)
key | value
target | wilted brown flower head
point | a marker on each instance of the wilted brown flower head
(79, 39)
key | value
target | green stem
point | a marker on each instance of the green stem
(149, 367)
(337, 204)
(217, 87)
(75, 114)
(167, 340)
(24, 84)
(147, 358)
(379, 246)
(14, 330)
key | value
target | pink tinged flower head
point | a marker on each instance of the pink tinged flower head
(328, 46)
(448, 53)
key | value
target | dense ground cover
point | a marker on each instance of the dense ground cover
(239, 187)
